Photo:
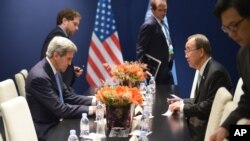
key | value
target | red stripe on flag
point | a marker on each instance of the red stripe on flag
(90, 80)
(104, 46)
(96, 69)
(116, 41)
(97, 52)
(110, 53)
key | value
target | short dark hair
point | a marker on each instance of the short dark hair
(67, 13)
(153, 3)
(242, 6)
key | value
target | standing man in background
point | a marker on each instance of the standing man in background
(212, 76)
(68, 21)
(155, 41)
(235, 18)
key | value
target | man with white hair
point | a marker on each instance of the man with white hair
(48, 97)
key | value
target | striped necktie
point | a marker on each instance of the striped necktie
(165, 30)
(59, 85)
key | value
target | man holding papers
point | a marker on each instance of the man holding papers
(154, 46)
(212, 76)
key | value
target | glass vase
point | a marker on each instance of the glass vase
(118, 117)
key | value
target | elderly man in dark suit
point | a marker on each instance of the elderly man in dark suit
(48, 97)
(68, 21)
(235, 18)
(212, 76)
(155, 41)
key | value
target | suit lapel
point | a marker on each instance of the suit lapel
(202, 81)
(50, 73)
(159, 29)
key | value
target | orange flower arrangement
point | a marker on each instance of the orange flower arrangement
(129, 72)
(119, 96)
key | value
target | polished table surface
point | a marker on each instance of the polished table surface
(163, 128)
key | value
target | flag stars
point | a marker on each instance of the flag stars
(104, 25)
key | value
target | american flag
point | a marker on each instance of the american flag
(104, 46)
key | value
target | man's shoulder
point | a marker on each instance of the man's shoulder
(40, 69)
(214, 66)
(57, 31)
(150, 21)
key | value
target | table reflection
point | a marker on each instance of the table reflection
(162, 127)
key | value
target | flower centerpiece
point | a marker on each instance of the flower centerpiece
(118, 101)
(129, 73)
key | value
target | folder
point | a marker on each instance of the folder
(153, 64)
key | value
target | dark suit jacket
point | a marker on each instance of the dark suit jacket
(44, 102)
(69, 75)
(243, 109)
(152, 41)
(197, 110)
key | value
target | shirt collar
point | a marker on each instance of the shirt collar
(51, 65)
(203, 66)
(159, 21)
(63, 30)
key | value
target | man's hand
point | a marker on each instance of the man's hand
(175, 107)
(219, 135)
(78, 71)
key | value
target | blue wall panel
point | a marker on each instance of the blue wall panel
(25, 24)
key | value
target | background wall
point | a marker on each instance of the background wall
(25, 24)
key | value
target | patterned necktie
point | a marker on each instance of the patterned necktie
(168, 40)
(199, 80)
(59, 85)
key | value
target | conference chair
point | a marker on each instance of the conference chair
(1, 138)
(19, 123)
(7, 91)
(24, 72)
(20, 81)
(222, 97)
(232, 105)
(238, 91)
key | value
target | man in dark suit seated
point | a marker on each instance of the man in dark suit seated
(48, 97)
(154, 40)
(235, 18)
(68, 21)
(212, 76)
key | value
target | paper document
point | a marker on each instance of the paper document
(168, 113)
(176, 97)
(138, 133)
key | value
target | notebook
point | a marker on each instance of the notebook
(153, 64)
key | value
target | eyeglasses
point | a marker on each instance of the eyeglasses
(189, 50)
(232, 27)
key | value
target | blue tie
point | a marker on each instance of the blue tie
(168, 40)
(59, 85)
